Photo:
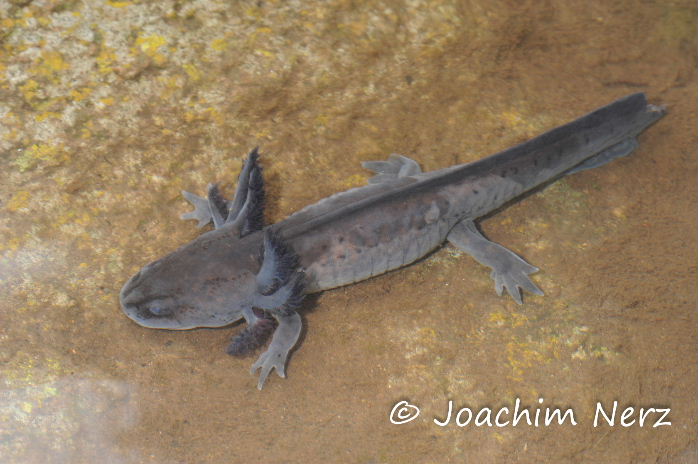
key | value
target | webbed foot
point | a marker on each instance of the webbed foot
(201, 212)
(275, 357)
(508, 269)
(245, 212)
(512, 273)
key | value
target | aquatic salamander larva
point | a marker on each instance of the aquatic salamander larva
(244, 269)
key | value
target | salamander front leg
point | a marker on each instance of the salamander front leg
(508, 269)
(245, 212)
(285, 336)
(202, 212)
(280, 291)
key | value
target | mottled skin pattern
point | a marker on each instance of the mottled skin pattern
(398, 218)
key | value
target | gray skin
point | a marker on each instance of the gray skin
(401, 216)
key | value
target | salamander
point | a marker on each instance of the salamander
(245, 269)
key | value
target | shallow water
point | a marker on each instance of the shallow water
(110, 109)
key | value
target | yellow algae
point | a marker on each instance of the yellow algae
(214, 114)
(150, 44)
(321, 120)
(83, 220)
(12, 244)
(263, 133)
(266, 53)
(254, 12)
(192, 71)
(219, 45)
(601, 352)
(309, 26)
(497, 318)
(172, 82)
(518, 320)
(18, 201)
(522, 356)
(105, 60)
(22, 373)
(117, 4)
(427, 333)
(510, 319)
(50, 63)
(41, 153)
(50, 390)
(64, 218)
(107, 101)
(512, 118)
(80, 94)
(86, 131)
(47, 114)
(355, 180)
(29, 90)
(32, 372)
(46, 105)
(619, 212)
(53, 364)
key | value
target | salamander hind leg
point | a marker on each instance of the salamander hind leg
(280, 291)
(508, 269)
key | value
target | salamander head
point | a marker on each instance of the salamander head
(203, 284)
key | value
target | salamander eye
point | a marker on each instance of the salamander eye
(157, 308)
(159, 311)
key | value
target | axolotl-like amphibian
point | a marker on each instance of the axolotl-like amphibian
(244, 269)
